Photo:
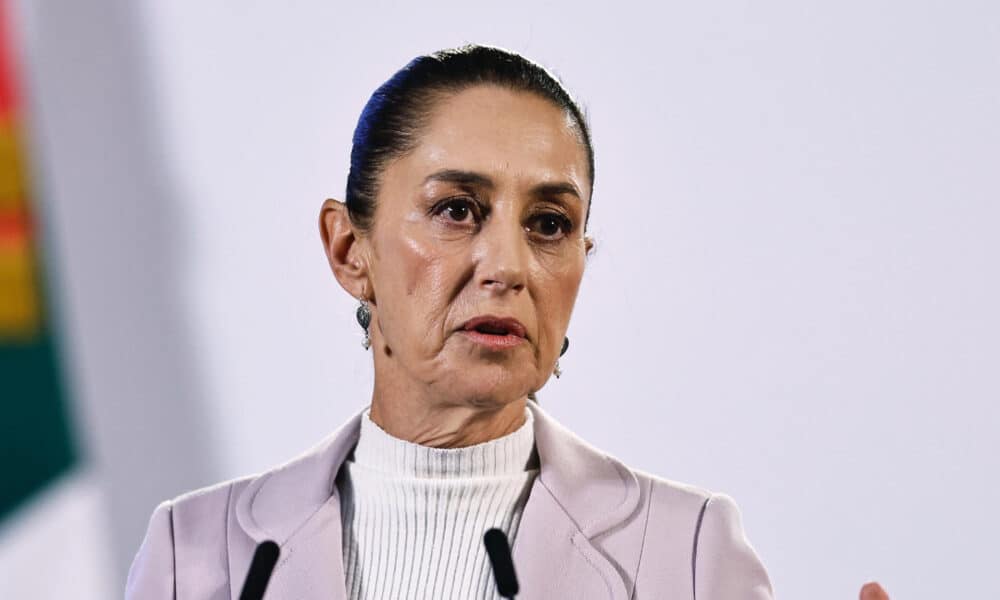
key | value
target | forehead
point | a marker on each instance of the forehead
(508, 135)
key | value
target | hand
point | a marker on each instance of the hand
(873, 591)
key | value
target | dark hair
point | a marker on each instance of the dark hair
(391, 121)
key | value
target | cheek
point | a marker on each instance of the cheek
(559, 282)
(417, 283)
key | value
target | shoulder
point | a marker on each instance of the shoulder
(726, 565)
(692, 503)
(200, 508)
(671, 493)
(186, 535)
(672, 513)
(695, 536)
(209, 501)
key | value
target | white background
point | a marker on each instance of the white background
(793, 300)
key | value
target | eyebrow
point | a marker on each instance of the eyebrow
(472, 178)
(557, 189)
(461, 177)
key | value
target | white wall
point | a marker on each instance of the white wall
(793, 299)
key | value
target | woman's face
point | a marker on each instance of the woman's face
(484, 218)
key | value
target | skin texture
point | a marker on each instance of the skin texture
(443, 251)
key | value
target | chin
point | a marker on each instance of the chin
(491, 386)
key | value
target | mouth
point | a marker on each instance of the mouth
(495, 332)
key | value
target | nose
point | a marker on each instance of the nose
(502, 255)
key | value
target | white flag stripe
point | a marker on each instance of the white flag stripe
(57, 545)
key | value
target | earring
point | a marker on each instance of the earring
(557, 371)
(364, 316)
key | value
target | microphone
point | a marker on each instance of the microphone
(264, 559)
(503, 565)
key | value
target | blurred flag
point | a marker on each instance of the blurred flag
(37, 444)
(51, 541)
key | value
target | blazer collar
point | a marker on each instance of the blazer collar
(563, 544)
(595, 490)
(274, 505)
(579, 494)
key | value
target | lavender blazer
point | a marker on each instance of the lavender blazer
(592, 528)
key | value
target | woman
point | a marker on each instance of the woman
(463, 237)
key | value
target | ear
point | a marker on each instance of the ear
(588, 244)
(345, 250)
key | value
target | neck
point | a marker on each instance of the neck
(444, 425)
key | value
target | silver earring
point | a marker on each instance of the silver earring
(364, 316)
(557, 371)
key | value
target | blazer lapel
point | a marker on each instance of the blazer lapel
(570, 542)
(571, 519)
(311, 563)
(297, 505)
(554, 559)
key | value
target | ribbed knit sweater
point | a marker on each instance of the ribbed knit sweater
(414, 516)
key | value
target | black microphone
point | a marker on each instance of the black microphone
(264, 559)
(503, 565)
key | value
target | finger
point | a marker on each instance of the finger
(873, 591)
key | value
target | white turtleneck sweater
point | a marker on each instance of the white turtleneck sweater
(414, 516)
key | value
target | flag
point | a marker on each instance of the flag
(51, 542)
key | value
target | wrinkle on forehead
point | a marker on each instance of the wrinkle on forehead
(504, 133)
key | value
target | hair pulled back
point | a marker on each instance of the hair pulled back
(394, 116)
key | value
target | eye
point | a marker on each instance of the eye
(457, 210)
(550, 225)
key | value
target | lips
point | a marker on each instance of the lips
(493, 325)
